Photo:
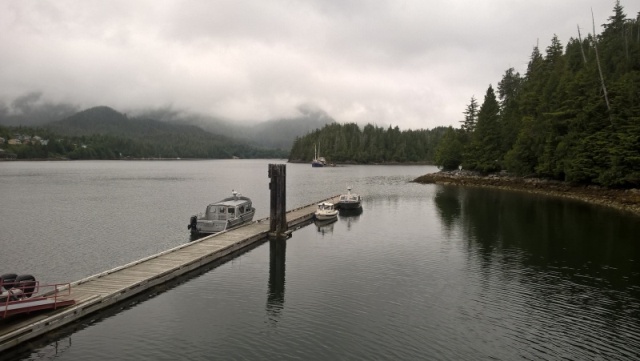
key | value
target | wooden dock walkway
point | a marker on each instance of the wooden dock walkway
(105, 289)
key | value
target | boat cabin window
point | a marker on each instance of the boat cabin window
(221, 209)
(241, 209)
(231, 211)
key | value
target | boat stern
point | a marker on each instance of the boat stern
(210, 226)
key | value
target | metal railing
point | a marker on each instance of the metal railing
(29, 295)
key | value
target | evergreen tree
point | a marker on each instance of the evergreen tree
(470, 116)
(449, 152)
(483, 153)
(509, 89)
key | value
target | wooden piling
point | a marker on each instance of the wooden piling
(278, 218)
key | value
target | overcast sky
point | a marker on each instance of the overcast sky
(413, 63)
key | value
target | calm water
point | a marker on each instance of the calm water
(425, 272)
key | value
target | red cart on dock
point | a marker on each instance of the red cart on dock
(23, 294)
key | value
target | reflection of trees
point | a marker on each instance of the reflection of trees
(580, 241)
(447, 200)
(555, 262)
(275, 297)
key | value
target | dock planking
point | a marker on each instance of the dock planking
(108, 288)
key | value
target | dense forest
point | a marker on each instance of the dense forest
(573, 116)
(103, 133)
(347, 143)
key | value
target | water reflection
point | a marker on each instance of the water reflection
(195, 237)
(567, 236)
(447, 200)
(277, 259)
(581, 258)
(326, 226)
(350, 216)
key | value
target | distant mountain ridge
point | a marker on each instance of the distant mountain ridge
(33, 110)
(110, 131)
(273, 134)
(107, 121)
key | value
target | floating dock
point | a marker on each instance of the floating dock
(105, 289)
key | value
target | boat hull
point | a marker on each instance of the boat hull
(349, 205)
(325, 216)
(204, 226)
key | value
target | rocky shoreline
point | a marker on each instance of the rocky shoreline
(623, 199)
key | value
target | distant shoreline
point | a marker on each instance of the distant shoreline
(292, 162)
(191, 159)
(122, 159)
(623, 199)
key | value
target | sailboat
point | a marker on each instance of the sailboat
(318, 161)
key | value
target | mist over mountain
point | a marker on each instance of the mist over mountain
(104, 133)
(32, 110)
(274, 133)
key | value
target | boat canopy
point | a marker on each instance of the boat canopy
(325, 205)
(229, 207)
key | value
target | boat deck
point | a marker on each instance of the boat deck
(105, 289)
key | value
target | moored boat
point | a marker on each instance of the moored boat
(349, 200)
(325, 211)
(225, 214)
(318, 161)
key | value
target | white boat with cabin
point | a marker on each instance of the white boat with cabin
(223, 215)
(326, 211)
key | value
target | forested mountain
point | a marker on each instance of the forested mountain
(103, 133)
(347, 143)
(31, 110)
(573, 116)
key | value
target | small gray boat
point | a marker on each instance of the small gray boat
(228, 213)
(349, 200)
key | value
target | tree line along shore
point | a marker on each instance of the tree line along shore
(573, 116)
(622, 199)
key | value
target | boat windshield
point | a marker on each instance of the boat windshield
(325, 206)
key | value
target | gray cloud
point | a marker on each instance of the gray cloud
(413, 63)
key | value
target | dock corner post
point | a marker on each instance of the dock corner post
(278, 216)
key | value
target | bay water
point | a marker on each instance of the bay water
(424, 272)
